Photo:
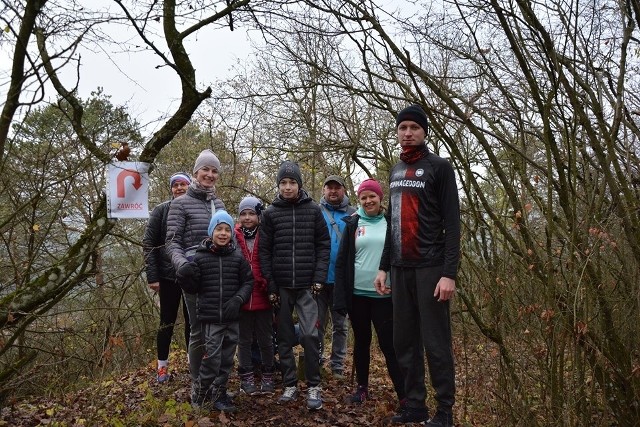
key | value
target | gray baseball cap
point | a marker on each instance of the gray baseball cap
(335, 178)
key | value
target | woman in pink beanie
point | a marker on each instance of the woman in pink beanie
(356, 268)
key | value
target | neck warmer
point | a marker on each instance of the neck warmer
(413, 153)
(372, 219)
(248, 233)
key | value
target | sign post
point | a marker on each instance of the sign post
(128, 190)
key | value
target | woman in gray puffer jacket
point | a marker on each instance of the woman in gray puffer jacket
(187, 225)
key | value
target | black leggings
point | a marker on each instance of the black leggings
(379, 311)
(170, 297)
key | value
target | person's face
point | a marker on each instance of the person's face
(333, 193)
(248, 219)
(179, 187)
(288, 188)
(410, 134)
(207, 176)
(370, 202)
(221, 234)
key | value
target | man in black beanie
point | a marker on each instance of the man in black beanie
(422, 251)
(416, 114)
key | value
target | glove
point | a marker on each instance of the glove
(316, 289)
(274, 300)
(231, 308)
(188, 276)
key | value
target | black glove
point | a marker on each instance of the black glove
(188, 276)
(231, 308)
(274, 299)
(316, 289)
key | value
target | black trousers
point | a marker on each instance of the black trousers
(419, 319)
(170, 298)
(379, 312)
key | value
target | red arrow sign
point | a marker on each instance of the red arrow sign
(137, 181)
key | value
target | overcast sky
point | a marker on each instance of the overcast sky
(131, 77)
(150, 92)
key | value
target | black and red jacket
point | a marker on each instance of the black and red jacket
(424, 211)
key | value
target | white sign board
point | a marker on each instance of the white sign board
(128, 190)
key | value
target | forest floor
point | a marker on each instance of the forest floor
(136, 399)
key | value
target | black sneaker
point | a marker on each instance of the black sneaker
(410, 415)
(224, 404)
(440, 419)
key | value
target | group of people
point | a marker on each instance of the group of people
(391, 268)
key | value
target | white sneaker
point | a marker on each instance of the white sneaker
(314, 398)
(290, 394)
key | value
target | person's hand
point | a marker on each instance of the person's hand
(445, 289)
(316, 289)
(274, 300)
(187, 277)
(186, 270)
(380, 283)
(231, 308)
(155, 286)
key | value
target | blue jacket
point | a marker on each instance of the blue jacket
(333, 215)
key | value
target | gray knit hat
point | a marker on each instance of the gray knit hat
(206, 158)
(251, 203)
(289, 169)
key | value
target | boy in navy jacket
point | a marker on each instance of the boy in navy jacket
(223, 282)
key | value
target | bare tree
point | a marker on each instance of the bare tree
(534, 105)
(47, 38)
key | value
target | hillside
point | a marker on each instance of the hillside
(135, 399)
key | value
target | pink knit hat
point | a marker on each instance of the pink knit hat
(371, 185)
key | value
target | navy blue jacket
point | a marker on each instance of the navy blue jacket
(221, 276)
(294, 244)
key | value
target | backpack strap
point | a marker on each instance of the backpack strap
(332, 222)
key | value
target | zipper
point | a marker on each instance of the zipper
(220, 286)
(293, 260)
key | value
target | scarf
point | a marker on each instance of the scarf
(222, 250)
(412, 153)
(210, 192)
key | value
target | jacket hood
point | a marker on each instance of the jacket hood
(343, 205)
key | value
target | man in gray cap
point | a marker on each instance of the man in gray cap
(335, 206)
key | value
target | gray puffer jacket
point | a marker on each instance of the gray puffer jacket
(294, 244)
(221, 276)
(187, 223)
